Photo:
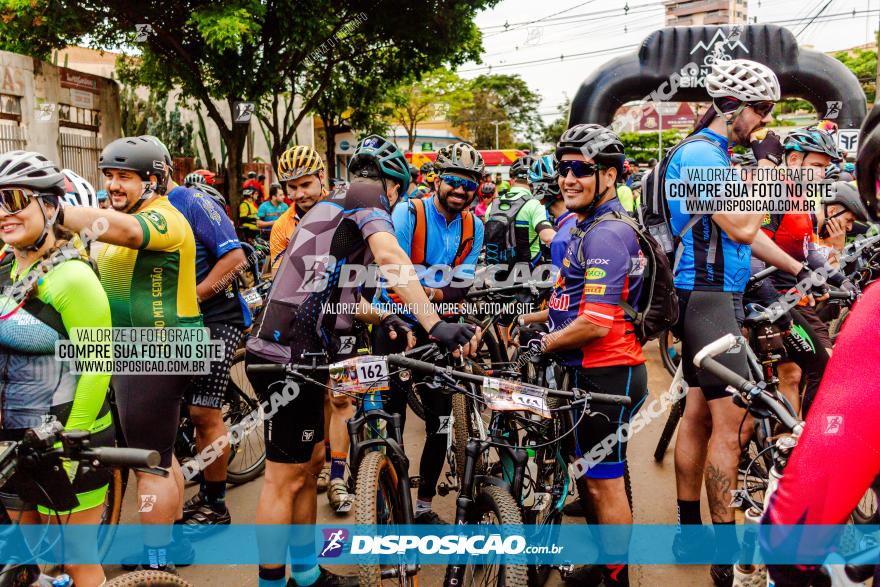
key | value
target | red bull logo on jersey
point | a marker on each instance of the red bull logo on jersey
(559, 302)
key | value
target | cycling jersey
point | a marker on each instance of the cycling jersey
(215, 237)
(600, 269)
(563, 225)
(33, 383)
(531, 219)
(838, 454)
(155, 284)
(795, 233)
(269, 212)
(710, 260)
(281, 232)
(247, 215)
(442, 243)
(333, 233)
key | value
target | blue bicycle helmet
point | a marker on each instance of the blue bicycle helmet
(543, 169)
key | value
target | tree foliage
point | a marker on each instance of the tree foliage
(551, 132)
(434, 96)
(863, 63)
(643, 145)
(499, 98)
(153, 117)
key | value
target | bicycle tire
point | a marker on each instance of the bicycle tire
(490, 347)
(376, 475)
(492, 499)
(242, 400)
(463, 429)
(414, 401)
(837, 324)
(149, 579)
(112, 511)
(676, 411)
(867, 511)
(669, 359)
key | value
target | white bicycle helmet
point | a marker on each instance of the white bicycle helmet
(78, 191)
(743, 79)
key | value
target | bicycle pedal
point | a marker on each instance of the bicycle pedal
(415, 481)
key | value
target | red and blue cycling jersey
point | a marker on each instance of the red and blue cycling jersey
(601, 267)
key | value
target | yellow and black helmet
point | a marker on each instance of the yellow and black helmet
(298, 161)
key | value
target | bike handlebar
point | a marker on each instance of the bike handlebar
(530, 285)
(120, 457)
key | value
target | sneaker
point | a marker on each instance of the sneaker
(191, 506)
(430, 517)
(587, 575)
(691, 541)
(574, 509)
(328, 579)
(337, 495)
(206, 515)
(324, 478)
(722, 575)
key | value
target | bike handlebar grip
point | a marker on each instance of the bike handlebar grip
(713, 349)
(763, 274)
(267, 368)
(414, 364)
(724, 374)
(607, 398)
(125, 457)
(839, 294)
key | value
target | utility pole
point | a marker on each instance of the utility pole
(497, 123)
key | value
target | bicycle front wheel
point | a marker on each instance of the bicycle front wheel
(377, 502)
(247, 452)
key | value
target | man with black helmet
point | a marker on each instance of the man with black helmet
(147, 267)
(589, 330)
(441, 234)
(351, 226)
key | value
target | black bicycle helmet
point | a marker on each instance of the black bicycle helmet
(811, 140)
(847, 196)
(139, 154)
(461, 158)
(867, 161)
(27, 169)
(595, 142)
(380, 154)
(520, 168)
(212, 193)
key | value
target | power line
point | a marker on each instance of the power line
(508, 28)
(821, 10)
(586, 16)
(549, 59)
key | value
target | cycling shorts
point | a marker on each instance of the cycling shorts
(296, 426)
(89, 484)
(149, 411)
(598, 436)
(811, 317)
(704, 317)
(208, 391)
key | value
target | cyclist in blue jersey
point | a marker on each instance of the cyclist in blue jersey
(589, 332)
(544, 179)
(439, 233)
(710, 276)
(219, 259)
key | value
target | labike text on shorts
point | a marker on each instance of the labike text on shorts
(494, 544)
(321, 268)
(285, 392)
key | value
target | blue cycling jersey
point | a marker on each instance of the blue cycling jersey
(563, 226)
(710, 261)
(441, 246)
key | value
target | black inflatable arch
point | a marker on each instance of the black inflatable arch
(823, 81)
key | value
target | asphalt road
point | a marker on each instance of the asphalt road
(653, 497)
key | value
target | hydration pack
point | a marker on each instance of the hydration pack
(500, 234)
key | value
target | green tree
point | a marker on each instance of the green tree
(153, 117)
(227, 51)
(436, 95)
(863, 63)
(503, 99)
(643, 145)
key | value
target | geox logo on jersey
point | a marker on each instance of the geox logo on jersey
(157, 220)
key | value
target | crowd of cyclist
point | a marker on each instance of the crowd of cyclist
(168, 255)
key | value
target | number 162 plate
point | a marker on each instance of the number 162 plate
(358, 375)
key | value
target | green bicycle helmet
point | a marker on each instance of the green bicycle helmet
(378, 153)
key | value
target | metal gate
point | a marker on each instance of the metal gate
(11, 138)
(80, 153)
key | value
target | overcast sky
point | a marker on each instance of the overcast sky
(544, 30)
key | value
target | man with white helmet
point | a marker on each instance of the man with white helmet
(711, 272)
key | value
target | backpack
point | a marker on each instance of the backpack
(500, 234)
(420, 234)
(653, 213)
(658, 302)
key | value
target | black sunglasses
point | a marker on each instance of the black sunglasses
(578, 168)
(763, 108)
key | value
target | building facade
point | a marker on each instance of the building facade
(706, 12)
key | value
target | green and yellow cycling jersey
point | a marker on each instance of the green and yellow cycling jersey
(155, 284)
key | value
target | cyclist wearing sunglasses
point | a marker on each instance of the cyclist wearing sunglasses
(148, 255)
(443, 250)
(49, 288)
(544, 178)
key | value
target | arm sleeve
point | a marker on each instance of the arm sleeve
(75, 292)
(368, 207)
(279, 238)
(212, 228)
(607, 265)
(164, 229)
(770, 224)
(537, 215)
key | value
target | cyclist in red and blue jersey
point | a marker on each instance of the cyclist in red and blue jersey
(603, 266)
(219, 259)
(838, 453)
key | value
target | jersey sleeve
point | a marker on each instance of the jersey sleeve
(164, 228)
(368, 207)
(537, 216)
(606, 266)
(279, 237)
(75, 292)
(770, 224)
(212, 228)
(263, 210)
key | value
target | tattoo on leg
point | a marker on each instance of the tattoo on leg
(718, 487)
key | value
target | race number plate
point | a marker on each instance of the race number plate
(252, 297)
(359, 375)
(503, 395)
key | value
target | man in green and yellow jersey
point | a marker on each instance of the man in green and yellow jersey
(147, 267)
